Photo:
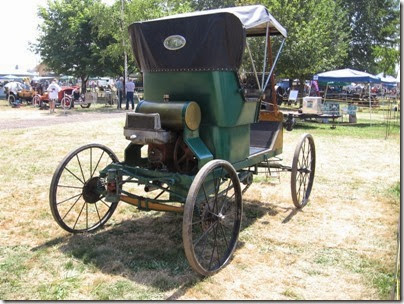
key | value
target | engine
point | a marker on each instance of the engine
(161, 126)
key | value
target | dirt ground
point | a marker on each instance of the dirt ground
(26, 117)
(341, 246)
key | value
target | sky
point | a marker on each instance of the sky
(19, 22)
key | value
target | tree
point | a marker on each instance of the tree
(375, 37)
(199, 5)
(69, 41)
(317, 37)
(110, 24)
(386, 59)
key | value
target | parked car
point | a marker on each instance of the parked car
(64, 99)
(18, 91)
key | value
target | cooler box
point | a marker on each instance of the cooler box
(312, 105)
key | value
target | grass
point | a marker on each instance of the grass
(394, 193)
(345, 238)
(364, 129)
(374, 272)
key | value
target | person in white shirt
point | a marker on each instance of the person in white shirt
(53, 90)
(130, 89)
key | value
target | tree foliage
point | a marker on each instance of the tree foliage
(317, 37)
(111, 24)
(199, 5)
(375, 38)
(69, 42)
(88, 38)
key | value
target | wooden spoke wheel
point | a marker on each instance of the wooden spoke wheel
(184, 159)
(36, 100)
(303, 168)
(76, 194)
(212, 217)
(66, 103)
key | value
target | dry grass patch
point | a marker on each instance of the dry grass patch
(342, 245)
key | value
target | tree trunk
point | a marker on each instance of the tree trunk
(301, 91)
(84, 84)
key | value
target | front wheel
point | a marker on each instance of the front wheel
(77, 192)
(85, 106)
(303, 168)
(11, 99)
(212, 217)
(36, 101)
(66, 103)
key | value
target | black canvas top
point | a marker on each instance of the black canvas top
(209, 42)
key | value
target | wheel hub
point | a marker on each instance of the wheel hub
(207, 217)
(92, 190)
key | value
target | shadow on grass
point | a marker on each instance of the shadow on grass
(146, 249)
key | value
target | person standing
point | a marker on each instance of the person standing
(119, 91)
(130, 89)
(53, 90)
(75, 95)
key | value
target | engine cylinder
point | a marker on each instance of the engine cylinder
(173, 114)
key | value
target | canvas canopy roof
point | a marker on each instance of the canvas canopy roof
(346, 75)
(254, 19)
(209, 40)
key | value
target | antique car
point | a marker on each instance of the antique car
(18, 91)
(64, 99)
(195, 141)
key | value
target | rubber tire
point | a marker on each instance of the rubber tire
(11, 99)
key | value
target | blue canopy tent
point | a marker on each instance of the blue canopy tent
(348, 75)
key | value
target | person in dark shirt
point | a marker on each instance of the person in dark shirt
(76, 95)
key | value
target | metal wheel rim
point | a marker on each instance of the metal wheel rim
(211, 224)
(71, 211)
(303, 169)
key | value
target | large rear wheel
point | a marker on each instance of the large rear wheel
(76, 194)
(212, 217)
(303, 168)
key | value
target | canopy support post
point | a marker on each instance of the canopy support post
(265, 55)
(273, 65)
(325, 93)
(253, 65)
(370, 106)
